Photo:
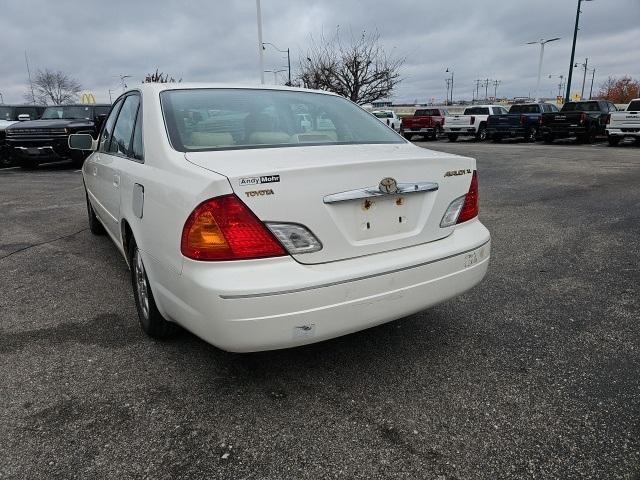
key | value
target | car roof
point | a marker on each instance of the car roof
(82, 105)
(160, 87)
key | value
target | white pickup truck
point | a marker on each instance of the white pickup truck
(472, 123)
(624, 124)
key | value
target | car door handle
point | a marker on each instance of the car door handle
(116, 180)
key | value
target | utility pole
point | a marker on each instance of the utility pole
(495, 88)
(593, 76)
(478, 82)
(485, 84)
(33, 95)
(260, 46)
(448, 82)
(287, 51)
(573, 51)
(451, 72)
(585, 65)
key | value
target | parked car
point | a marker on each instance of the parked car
(255, 234)
(584, 120)
(10, 114)
(426, 122)
(472, 123)
(47, 139)
(624, 124)
(523, 120)
(388, 117)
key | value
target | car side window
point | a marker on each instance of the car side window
(137, 146)
(107, 131)
(123, 130)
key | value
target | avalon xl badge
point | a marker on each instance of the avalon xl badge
(388, 185)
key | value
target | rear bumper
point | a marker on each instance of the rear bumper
(462, 131)
(418, 130)
(563, 131)
(624, 132)
(506, 131)
(279, 303)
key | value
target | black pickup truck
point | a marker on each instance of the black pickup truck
(10, 114)
(585, 120)
(47, 139)
(523, 120)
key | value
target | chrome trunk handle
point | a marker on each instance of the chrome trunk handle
(403, 189)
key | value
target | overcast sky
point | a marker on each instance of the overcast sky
(211, 40)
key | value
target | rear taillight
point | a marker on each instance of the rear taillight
(463, 208)
(583, 117)
(608, 119)
(223, 228)
(521, 120)
(443, 120)
(471, 205)
(473, 120)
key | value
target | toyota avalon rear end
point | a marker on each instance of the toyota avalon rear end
(265, 233)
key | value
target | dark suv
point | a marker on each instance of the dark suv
(47, 139)
(10, 114)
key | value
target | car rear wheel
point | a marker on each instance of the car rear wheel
(613, 140)
(548, 138)
(531, 135)
(151, 320)
(27, 164)
(452, 137)
(436, 132)
(496, 138)
(94, 224)
(481, 136)
(588, 137)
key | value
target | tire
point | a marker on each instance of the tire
(496, 138)
(94, 224)
(481, 135)
(613, 140)
(452, 137)
(26, 165)
(408, 136)
(637, 141)
(588, 137)
(151, 320)
(531, 135)
(548, 139)
(436, 132)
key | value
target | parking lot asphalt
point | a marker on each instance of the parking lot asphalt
(533, 374)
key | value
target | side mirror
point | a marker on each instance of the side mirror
(82, 141)
(24, 117)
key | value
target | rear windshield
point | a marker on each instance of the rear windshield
(427, 112)
(477, 111)
(634, 106)
(73, 112)
(581, 107)
(217, 119)
(524, 109)
(383, 114)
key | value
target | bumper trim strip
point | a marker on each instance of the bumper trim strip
(355, 279)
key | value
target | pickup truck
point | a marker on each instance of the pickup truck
(472, 123)
(584, 120)
(10, 114)
(426, 122)
(47, 139)
(389, 118)
(523, 120)
(624, 124)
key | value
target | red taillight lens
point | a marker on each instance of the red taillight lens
(223, 228)
(521, 119)
(473, 120)
(471, 205)
(583, 117)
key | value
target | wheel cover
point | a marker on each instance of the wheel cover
(142, 288)
(483, 134)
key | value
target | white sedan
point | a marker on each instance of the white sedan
(255, 233)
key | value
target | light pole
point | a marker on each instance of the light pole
(122, 84)
(573, 50)
(542, 42)
(451, 80)
(275, 74)
(495, 89)
(260, 45)
(288, 58)
(1, 99)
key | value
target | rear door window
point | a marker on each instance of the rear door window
(123, 130)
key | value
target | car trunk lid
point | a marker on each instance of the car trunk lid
(299, 185)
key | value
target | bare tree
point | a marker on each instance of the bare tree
(360, 70)
(55, 87)
(159, 77)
